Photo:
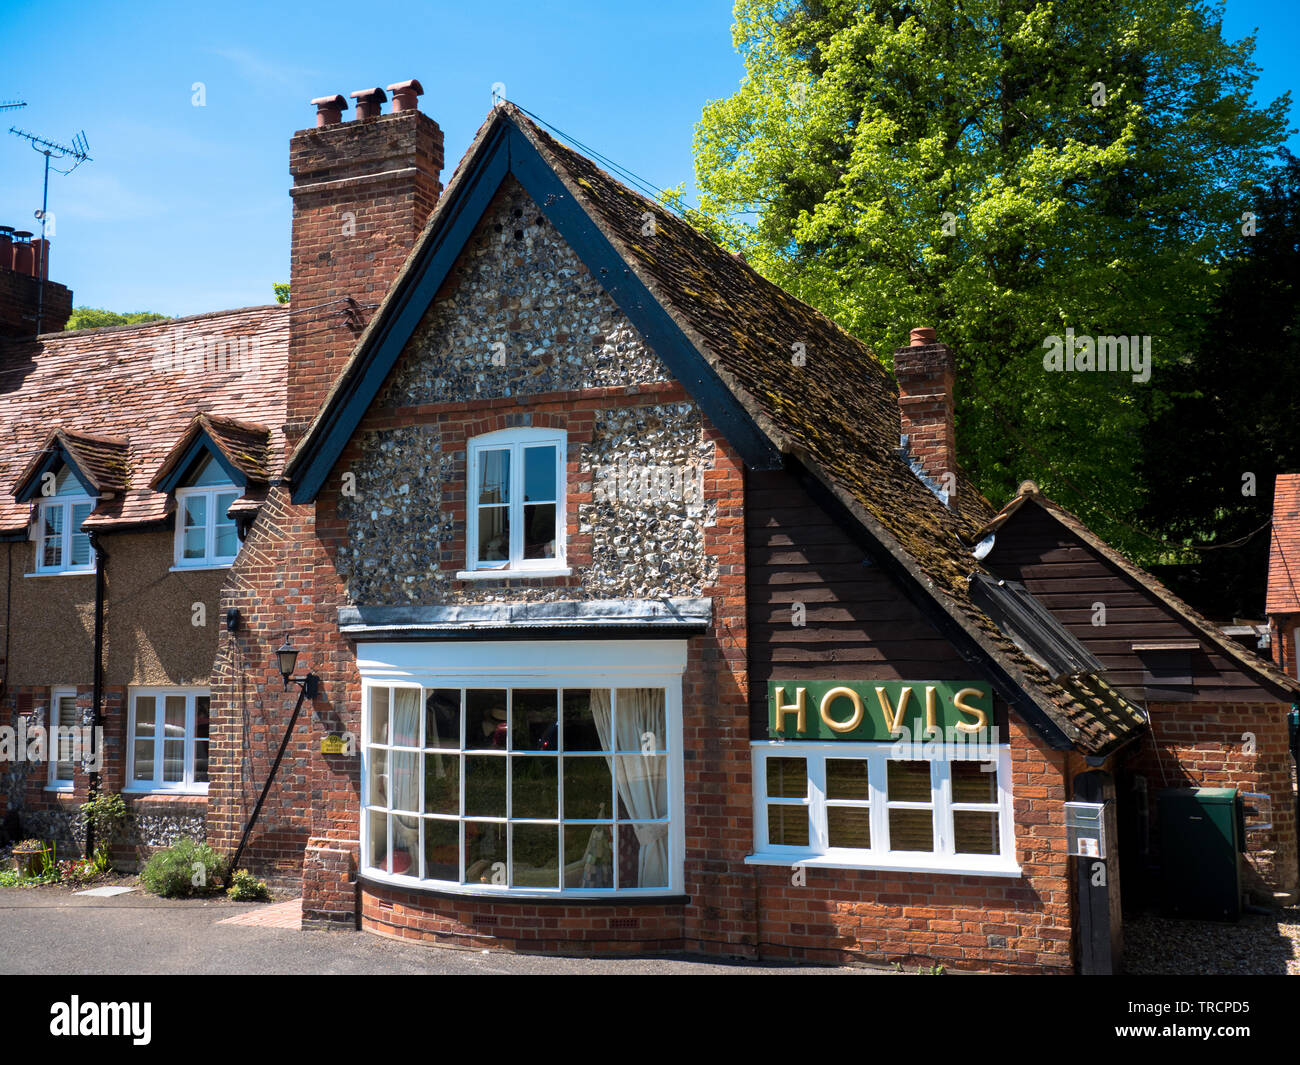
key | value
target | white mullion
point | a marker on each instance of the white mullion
(159, 746)
(515, 502)
(510, 786)
(65, 557)
(941, 795)
(879, 783)
(815, 798)
(419, 773)
(559, 775)
(187, 743)
(460, 757)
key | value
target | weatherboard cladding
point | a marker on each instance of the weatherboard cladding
(140, 384)
(1062, 562)
(729, 336)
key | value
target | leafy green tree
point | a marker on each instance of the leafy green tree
(281, 291)
(97, 318)
(1001, 170)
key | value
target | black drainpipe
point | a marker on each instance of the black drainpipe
(97, 690)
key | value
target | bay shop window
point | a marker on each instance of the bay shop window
(537, 769)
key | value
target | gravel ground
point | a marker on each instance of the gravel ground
(1254, 946)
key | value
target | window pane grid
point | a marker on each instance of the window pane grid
(513, 826)
(859, 829)
(168, 740)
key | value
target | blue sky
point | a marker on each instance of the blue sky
(186, 209)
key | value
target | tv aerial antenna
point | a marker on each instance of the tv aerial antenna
(79, 152)
(6, 105)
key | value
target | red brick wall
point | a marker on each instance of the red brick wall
(18, 297)
(1204, 745)
(362, 192)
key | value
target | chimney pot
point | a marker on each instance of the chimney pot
(368, 102)
(329, 109)
(406, 95)
(923, 336)
(22, 252)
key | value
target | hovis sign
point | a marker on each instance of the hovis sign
(878, 710)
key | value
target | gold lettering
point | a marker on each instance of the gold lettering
(982, 719)
(798, 708)
(851, 723)
(931, 710)
(893, 719)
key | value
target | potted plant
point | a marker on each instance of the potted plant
(29, 857)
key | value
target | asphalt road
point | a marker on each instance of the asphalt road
(49, 930)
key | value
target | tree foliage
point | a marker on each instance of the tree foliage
(97, 318)
(1000, 170)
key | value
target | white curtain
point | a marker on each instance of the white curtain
(404, 768)
(642, 779)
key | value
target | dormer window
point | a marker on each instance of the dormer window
(61, 546)
(516, 501)
(205, 534)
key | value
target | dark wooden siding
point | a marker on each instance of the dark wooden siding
(859, 625)
(1069, 577)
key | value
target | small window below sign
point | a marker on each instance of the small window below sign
(938, 808)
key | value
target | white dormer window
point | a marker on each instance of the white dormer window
(205, 535)
(61, 546)
(516, 501)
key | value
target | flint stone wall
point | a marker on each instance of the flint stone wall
(525, 317)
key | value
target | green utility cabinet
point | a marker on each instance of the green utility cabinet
(1202, 835)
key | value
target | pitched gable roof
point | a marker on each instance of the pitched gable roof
(242, 449)
(1284, 551)
(1262, 668)
(141, 385)
(98, 462)
(727, 334)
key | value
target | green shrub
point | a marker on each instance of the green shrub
(107, 813)
(186, 868)
(245, 887)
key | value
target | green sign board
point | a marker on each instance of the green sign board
(883, 710)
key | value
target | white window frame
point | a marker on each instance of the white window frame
(66, 503)
(515, 441)
(943, 859)
(187, 785)
(57, 783)
(210, 559)
(544, 664)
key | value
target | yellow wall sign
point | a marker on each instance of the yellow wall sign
(877, 710)
(334, 744)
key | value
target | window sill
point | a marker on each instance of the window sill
(63, 573)
(199, 569)
(511, 574)
(167, 793)
(65, 789)
(943, 865)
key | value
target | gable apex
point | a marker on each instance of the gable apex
(501, 150)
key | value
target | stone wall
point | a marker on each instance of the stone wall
(519, 315)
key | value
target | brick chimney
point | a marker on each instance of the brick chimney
(924, 370)
(362, 191)
(24, 264)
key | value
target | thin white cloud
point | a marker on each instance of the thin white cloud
(262, 71)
